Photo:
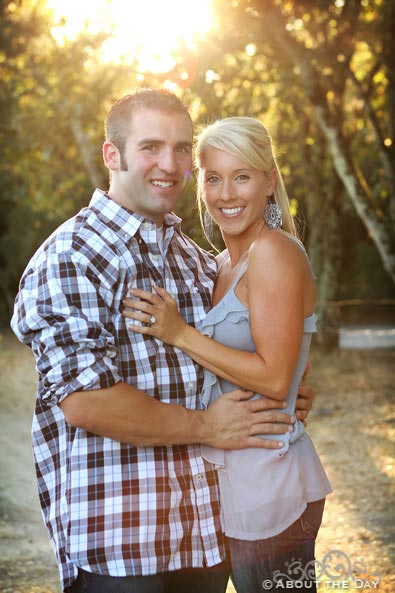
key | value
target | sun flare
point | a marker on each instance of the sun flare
(149, 30)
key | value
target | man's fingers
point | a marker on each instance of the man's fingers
(264, 443)
(265, 403)
(271, 428)
(262, 414)
(305, 398)
(302, 415)
(306, 372)
(306, 391)
(240, 422)
(303, 404)
(239, 395)
(265, 416)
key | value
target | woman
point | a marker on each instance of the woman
(257, 336)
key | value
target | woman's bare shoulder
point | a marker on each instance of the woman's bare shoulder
(276, 240)
(277, 248)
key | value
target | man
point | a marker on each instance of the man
(129, 503)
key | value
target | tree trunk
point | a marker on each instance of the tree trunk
(324, 211)
(372, 219)
(328, 272)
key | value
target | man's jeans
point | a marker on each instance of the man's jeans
(194, 580)
(254, 562)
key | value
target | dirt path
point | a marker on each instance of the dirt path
(352, 426)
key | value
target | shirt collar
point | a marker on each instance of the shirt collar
(120, 218)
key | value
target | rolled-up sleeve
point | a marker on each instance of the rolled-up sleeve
(63, 311)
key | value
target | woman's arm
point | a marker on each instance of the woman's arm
(276, 283)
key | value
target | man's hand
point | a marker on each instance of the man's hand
(235, 420)
(305, 399)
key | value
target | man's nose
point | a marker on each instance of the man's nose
(167, 161)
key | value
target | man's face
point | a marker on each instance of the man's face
(158, 160)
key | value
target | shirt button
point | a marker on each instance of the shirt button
(147, 225)
(199, 476)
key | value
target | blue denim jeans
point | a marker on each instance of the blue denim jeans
(255, 562)
(194, 580)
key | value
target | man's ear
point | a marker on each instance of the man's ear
(111, 156)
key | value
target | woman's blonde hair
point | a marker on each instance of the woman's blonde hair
(247, 139)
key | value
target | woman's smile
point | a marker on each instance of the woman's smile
(232, 212)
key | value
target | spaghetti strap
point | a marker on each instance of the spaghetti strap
(240, 274)
(225, 257)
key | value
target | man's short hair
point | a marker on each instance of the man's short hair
(117, 125)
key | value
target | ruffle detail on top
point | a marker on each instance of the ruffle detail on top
(221, 311)
(233, 311)
(211, 388)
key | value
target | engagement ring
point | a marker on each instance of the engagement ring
(153, 319)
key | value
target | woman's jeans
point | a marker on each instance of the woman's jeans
(254, 562)
(194, 580)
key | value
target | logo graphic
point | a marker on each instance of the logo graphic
(336, 570)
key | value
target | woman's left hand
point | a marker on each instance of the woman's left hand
(158, 310)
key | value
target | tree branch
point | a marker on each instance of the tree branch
(383, 151)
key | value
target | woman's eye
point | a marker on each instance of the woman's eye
(212, 179)
(242, 178)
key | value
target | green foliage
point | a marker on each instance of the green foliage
(52, 105)
(53, 100)
(284, 61)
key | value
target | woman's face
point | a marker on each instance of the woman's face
(235, 194)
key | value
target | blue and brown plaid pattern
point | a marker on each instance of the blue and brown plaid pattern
(112, 508)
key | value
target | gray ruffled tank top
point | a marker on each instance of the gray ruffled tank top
(262, 491)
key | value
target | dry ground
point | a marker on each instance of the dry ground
(353, 427)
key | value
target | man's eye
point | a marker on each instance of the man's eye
(149, 147)
(183, 149)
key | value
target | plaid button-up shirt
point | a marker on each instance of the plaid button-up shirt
(109, 507)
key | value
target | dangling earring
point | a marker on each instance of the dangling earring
(272, 215)
(208, 225)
